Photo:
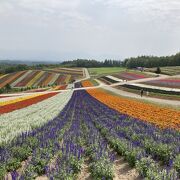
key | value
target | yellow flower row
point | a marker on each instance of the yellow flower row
(18, 99)
(68, 77)
(32, 81)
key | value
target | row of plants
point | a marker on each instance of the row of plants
(89, 129)
(25, 103)
(57, 149)
(36, 147)
(80, 142)
(131, 75)
(172, 83)
(161, 117)
(163, 148)
(15, 99)
(108, 80)
(34, 78)
(16, 122)
(10, 78)
(150, 89)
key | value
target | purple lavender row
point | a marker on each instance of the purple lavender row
(40, 144)
(138, 131)
(101, 119)
(82, 134)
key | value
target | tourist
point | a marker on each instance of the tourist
(142, 91)
(147, 93)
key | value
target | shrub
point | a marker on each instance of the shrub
(177, 164)
(102, 169)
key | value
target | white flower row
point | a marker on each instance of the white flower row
(21, 78)
(14, 123)
(53, 80)
(12, 98)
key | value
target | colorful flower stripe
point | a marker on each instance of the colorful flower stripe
(1, 76)
(41, 79)
(68, 77)
(60, 80)
(46, 75)
(53, 80)
(7, 98)
(3, 97)
(172, 83)
(17, 99)
(26, 79)
(68, 71)
(14, 123)
(38, 90)
(11, 78)
(60, 87)
(4, 78)
(25, 103)
(15, 83)
(162, 117)
(47, 80)
(130, 76)
(87, 83)
(34, 79)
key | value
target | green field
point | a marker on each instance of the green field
(104, 71)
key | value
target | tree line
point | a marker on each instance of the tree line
(133, 62)
(91, 63)
(152, 61)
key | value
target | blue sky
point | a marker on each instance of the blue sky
(99, 29)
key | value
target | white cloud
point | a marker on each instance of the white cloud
(90, 27)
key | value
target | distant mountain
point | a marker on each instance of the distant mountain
(30, 63)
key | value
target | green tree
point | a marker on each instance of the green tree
(8, 87)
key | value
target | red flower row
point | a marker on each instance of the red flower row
(22, 104)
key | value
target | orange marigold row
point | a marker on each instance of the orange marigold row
(162, 117)
(87, 83)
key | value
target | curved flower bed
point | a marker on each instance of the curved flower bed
(162, 117)
(11, 78)
(172, 83)
(22, 104)
(26, 79)
(34, 79)
(87, 129)
(87, 84)
(15, 99)
(130, 76)
(16, 122)
(62, 87)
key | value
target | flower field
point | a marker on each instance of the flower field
(75, 73)
(22, 102)
(131, 75)
(30, 117)
(171, 83)
(86, 133)
(78, 129)
(162, 117)
(127, 76)
(37, 78)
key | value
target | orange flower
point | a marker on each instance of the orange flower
(162, 117)
(87, 83)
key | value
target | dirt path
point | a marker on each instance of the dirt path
(150, 99)
(84, 174)
(136, 96)
(123, 171)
